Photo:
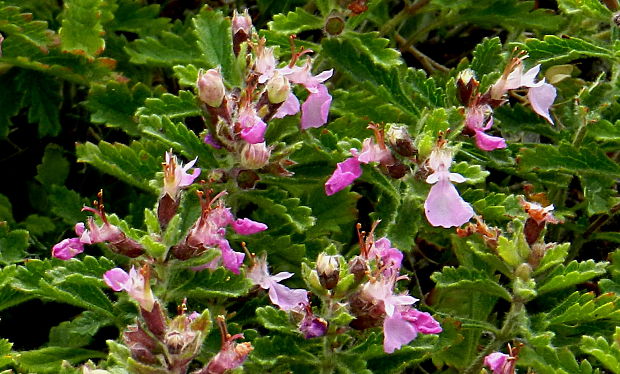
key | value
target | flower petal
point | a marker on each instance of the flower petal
(397, 332)
(346, 172)
(287, 298)
(542, 98)
(488, 142)
(444, 206)
(315, 109)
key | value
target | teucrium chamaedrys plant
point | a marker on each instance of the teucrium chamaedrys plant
(382, 218)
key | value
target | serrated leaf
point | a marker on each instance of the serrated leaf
(510, 14)
(586, 307)
(207, 284)
(178, 137)
(473, 173)
(79, 331)
(402, 231)
(49, 360)
(21, 26)
(600, 193)
(54, 167)
(553, 50)
(565, 158)
(81, 31)
(43, 101)
(547, 359)
(469, 279)
(276, 319)
(607, 354)
(39, 225)
(132, 164)
(173, 106)
(294, 22)
(169, 48)
(13, 244)
(114, 104)
(569, 275)
(553, 256)
(586, 8)
(187, 74)
(10, 102)
(493, 206)
(215, 41)
(487, 57)
(138, 18)
(67, 204)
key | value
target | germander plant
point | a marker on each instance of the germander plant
(338, 187)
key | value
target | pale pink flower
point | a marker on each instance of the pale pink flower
(403, 327)
(289, 107)
(252, 126)
(176, 175)
(381, 292)
(315, 109)
(373, 152)
(280, 295)
(303, 75)
(444, 206)
(265, 64)
(390, 258)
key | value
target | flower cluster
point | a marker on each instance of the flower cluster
(479, 107)
(238, 118)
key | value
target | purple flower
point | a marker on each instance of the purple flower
(391, 258)
(444, 206)
(245, 226)
(209, 139)
(346, 172)
(136, 284)
(312, 326)
(252, 127)
(498, 362)
(315, 109)
(479, 119)
(403, 326)
(68, 248)
(280, 295)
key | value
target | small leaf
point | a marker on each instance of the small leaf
(207, 284)
(487, 57)
(469, 279)
(54, 167)
(215, 42)
(295, 22)
(13, 244)
(569, 275)
(607, 354)
(553, 50)
(276, 319)
(49, 359)
(81, 29)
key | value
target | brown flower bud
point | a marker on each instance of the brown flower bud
(328, 269)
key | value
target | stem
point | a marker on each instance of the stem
(581, 131)
(505, 334)
(428, 63)
(406, 12)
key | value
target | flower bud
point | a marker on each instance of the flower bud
(255, 156)
(334, 25)
(211, 88)
(328, 269)
(241, 29)
(524, 272)
(313, 327)
(400, 141)
(278, 89)
(467, 86)
(358, 267)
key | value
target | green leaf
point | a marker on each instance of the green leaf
(54, 167)
(79, 331)
(607, 354)
(208, 284)
(114, 104)
(21, 26)
(10, 102)
(545, 358)
(553, 50)
(295, 22)
(215, 42)
(600, 193)
(43, 101)
(574, 273)
(187, 74)
(473, 173)
(591, 9)
(134, 164)
(487, 57)
(554, 255)
(49, 360)
(13, 244)
(463, 278)
(138, 18)
(169, 48)
(173, 106)
(565, 158)
(39, 225)
(6, 357)
(67, 204)
(493, 206)
(81, 29)
(276, 319)
(178, 137)
(390, 83)
(583, 308)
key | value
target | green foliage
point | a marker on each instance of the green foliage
(574, 273)
(467, 279)
(50, 359)
(555, 50)
(607, 354)
(295, 22)
(81, 28)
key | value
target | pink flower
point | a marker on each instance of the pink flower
(246, 226)
(252, 126)
(315, 109)
(136, 284)
(444, 206)
(289, 107)
(373, 152)
(498, 362)
(381, 292)
(303, 75)
(346, 172)
(68, 249)
(176, 175)
(231, 354)
(540, 94)
(265, 64)
(391, 258)
(475, 118)
(403, 327)
(280, 295)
